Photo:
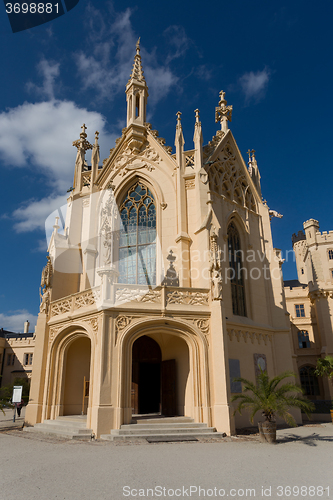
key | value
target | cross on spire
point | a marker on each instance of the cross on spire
(82, 143)
(223, 112)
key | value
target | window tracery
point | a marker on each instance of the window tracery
(226, 179)
(137, 242)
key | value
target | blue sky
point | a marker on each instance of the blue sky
(273, 59)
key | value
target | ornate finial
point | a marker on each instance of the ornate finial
(82, 143)
(223, 113)
(253, 155)
(96, 138)
(138, 46)
(249, 153)
(197, 117)
(179, 121)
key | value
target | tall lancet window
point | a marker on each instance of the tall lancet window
(236, 271)
(137, 243)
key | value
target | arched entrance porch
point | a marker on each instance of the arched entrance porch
(76, 377)
(69, 366)
(183, 347)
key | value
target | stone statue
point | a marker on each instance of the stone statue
(44, 306)
(108, 246)
(217, 283)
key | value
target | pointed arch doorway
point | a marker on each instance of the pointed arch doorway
(153, 380)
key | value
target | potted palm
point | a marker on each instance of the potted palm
(271, 398)
(325, 367)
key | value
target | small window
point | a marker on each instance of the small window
(330, 254)
(302, 270)
(300, 313)
(331, 271)
(28, 358)
(13, 359)
(303, 339)
(9, 359)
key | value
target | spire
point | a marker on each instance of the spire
(179, 141)
(137, 71)
(198, 140)
(254, 169)
(94, 161)
(223, 113)
(137, 92)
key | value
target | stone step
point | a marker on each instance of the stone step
(163, 437)
(65, 424)
(161, 420)
(65, 428)
(170, 425)
(70, 427)
(60, 433)
(164, 430)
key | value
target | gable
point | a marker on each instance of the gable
(123, 160)
(228, 176)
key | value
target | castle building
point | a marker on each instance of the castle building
(16, 355)
(162, 284)
(309, 302)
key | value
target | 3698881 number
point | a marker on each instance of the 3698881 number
(303, 491)
(32, 8)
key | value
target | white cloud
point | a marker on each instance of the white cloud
(254, 84)
(39, 137)
(34, 214)
(14, 321)
(49, 71)
(177, 39)
(119, 40)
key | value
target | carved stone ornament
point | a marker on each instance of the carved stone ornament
(127, 161)
(93, 322)
(202, 324)
(203, 176)
(53, 330)
(44, 306)
(187, 298)
(109, 216)
(246, 335)
(228, 179)
(45, 287)
(189, 184)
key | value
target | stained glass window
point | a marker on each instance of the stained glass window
(137, 244)
(236, 271)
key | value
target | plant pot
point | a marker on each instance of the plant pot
(331, 415)
(267, 432)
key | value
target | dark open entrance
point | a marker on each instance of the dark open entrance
(153, 381)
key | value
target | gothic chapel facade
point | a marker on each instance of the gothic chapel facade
(164, 285)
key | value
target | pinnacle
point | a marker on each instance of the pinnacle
(137, 71)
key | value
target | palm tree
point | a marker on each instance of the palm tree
(271, 398)
(325, 367)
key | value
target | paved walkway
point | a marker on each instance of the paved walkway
(6, 421)
(40, 467)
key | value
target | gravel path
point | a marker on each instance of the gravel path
(37, 467)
